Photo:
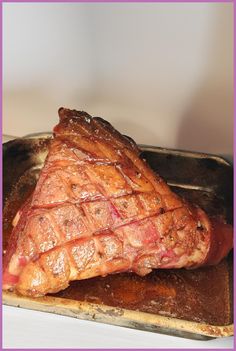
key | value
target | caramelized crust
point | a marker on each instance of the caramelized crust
(98, 209)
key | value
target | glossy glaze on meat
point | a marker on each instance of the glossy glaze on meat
(99, 209)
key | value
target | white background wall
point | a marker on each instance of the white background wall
(161, 73)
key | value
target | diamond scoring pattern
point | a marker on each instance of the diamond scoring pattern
(98, 209)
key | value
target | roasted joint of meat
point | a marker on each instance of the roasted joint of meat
(99, 209)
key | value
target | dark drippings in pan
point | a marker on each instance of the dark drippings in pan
(201, 295)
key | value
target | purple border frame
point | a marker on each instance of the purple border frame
(1, 112)
(1, 161)
(117, 1)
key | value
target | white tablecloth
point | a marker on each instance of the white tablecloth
(31, 329)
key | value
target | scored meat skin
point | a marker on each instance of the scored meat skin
(98, 209)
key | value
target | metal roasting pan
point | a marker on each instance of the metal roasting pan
(195, 304)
